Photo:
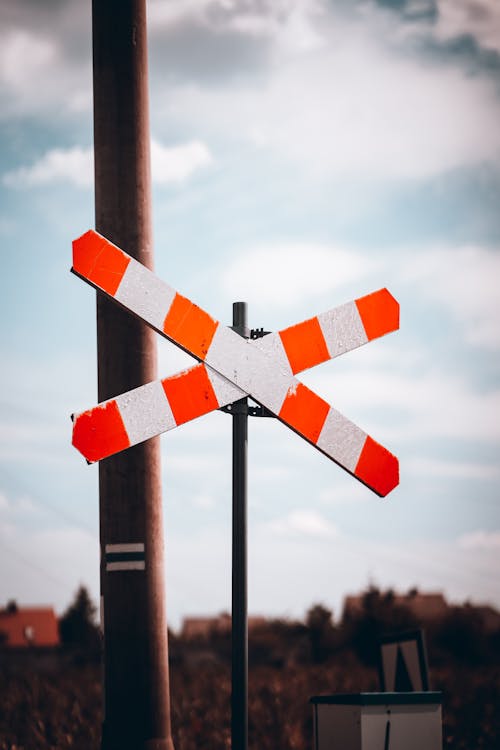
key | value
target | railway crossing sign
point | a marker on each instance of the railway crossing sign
(231, 367)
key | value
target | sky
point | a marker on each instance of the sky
(304, 153)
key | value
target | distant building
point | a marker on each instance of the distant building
(431, 606)
(203, 627)
(22, 627)
(490, 618)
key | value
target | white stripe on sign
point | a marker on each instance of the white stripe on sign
(142, 291)
(145, 412)
(342, 329)
(340, 436)
(225, 391)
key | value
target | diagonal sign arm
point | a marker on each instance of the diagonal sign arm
(157, 407)
(262, 372)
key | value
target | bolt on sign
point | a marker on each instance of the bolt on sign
(231, 367)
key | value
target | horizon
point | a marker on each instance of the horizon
(215, 615)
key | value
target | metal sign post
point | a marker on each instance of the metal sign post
(240, 411)
(239, 622)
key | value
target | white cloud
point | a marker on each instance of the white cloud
(288, 22)
(24, 56)
(204, 501)
(4, 503)
(303, 522)
(452, 469)
(75, 165)
(45, 63)
(353, 108)
(465, 280)
(406, 406)
(176, 164)
(480, 540)
(324, 90)
(202, 464)
(290, 272)
(165, 13)
(30, 439)
(45, 567)
(289, 573)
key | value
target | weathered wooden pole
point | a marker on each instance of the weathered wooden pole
(136, 681)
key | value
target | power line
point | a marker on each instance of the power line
(37, 568)
(38, 501)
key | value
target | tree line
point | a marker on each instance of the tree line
(460, 635)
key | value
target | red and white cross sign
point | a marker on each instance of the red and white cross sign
(231, 367)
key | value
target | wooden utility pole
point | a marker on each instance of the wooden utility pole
(136, 682)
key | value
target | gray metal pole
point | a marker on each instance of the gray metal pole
(136, 680)
(239, 626)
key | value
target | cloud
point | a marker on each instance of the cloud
(31, 440)
(176, 164)
(408, 406)
(267, 18)
(452, 469)
(45, 53)
(206, 465)
(203, 501)
(323, 87)
(289, 573)
(162, 13)
(45, 567)
(290, 272)
(75, 165)
(303, 522)
(464, 280)
(480, 540)
(353, 106)
(23, 56)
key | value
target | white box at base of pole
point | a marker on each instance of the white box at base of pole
(378, 721)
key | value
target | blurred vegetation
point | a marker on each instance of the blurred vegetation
(60, 706)
(78, 629)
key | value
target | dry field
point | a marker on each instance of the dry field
(62, 709)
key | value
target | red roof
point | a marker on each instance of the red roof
(28, 627)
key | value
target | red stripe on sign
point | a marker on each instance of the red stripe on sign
(190, 394)
(100, 432)
(377, 468)
(99, 261)
(379, 313)
(304, 345)
(304, 411)
(190, 326)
